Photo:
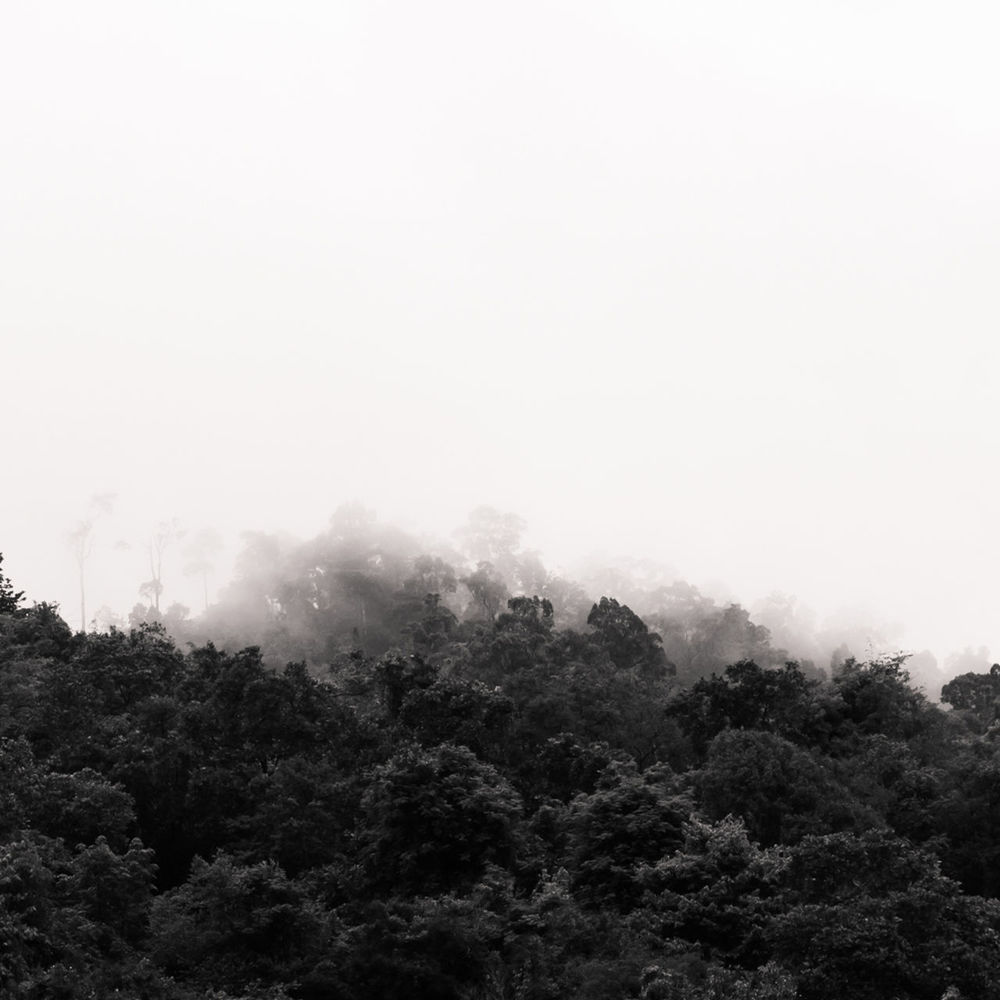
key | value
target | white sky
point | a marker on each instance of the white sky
(715, 281)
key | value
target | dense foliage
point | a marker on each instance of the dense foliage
(452, 792)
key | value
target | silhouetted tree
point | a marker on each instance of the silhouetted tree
(976, 694)
(10, 599)
(487, 589)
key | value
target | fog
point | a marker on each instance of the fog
(707, 285)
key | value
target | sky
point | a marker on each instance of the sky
(709, 282)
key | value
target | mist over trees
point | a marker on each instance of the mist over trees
(354, 586)
(381, 765)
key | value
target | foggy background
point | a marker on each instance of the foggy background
(712, 284)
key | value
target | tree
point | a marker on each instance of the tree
(199, 553)
(162, 537)
(10, 599)
(748, 697)
(889, 777)
(792, 627)
(769, 982)
(970, 816)
(397, 676)
(431, 575)
(80, 808)
(69, 923)
(876, 698)
(871, 916)
(976, 694)
(516, 642)
(457, 711)
(35, 632)
(230, 925)
(726, 636)
(714, 892)
(781, 791)
(303, 815)
(433, 819)
(433, 630)
(433, 948)
(81, 542)
(629, 644)
(489, 536)
(488, 590)
(628, 820)
(564, 767)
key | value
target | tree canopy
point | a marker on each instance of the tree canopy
(444, 797)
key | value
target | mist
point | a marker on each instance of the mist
(365, 587)
(709, 290)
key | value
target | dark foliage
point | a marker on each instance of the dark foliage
(10, 599)
(446, 793)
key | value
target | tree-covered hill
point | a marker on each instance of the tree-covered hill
(472, 783)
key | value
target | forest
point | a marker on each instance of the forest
(377, 770)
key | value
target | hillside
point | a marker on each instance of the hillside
(495, 804)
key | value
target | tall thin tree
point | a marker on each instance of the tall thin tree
(162, 537)
(81, 543)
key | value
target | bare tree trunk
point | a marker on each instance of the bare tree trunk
(155, 567)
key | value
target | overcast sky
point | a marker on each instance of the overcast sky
(712, 281)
